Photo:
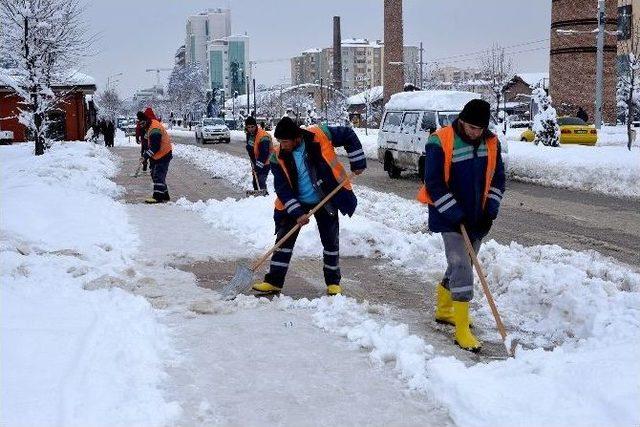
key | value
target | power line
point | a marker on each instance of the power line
(478, 56)
(483, 51)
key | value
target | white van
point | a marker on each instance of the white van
(409, 118)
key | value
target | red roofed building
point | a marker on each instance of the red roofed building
(71, 119)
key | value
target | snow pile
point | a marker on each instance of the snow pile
(585, 305)
(616, 135)
(613, 171)
(235, 169)
(369, 141)
(181, 132)
(70, 356)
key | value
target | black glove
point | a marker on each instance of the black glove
(485, 224)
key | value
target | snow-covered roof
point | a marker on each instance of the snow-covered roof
(374, 94)
(312, 50)
(359, 42)
(68, 78)
(439, 100)
(532, 79)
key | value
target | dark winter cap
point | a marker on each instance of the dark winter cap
(476, 112)
(287, 129)
(250, 121)
(141, 117)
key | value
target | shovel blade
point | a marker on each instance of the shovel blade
(256, 193)
(240, 281)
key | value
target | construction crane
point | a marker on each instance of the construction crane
(157, 71)
(264, 61)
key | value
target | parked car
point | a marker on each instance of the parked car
(410, 117)
(572, 131)
(6, 137)
(212, 129)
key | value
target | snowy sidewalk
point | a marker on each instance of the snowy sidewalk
(255, 362)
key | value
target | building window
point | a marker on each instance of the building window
(206, 28)
(624, 22)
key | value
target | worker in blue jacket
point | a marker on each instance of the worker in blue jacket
(464, 183)
(305, 169)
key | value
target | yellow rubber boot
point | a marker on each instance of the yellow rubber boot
(463, 336)
(444, 305)
(334, 290)
(266, 288)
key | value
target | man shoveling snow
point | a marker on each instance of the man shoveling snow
(463, 185)
(159, 155)
(305, 169)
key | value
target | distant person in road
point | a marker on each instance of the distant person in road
(259, 147)
(581, 114)
(305, 169)
(109, 132)
(464, 182)
(159, 154)
(141, 139)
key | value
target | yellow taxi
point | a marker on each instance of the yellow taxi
(572, 131)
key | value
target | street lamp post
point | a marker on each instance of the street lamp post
(110, 77)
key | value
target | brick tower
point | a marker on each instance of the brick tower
(393, 68)
(572, 69)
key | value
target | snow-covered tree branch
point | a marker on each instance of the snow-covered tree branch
(42, 41)
(186, 90)
(497, 69)
(627, 88)
(545, 122)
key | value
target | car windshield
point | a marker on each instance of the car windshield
(212, 122)
(447, 117)
(563, 121)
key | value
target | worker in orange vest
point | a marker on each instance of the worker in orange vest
(159, 153)
(464, 183)
(305, 169)
(259, 147)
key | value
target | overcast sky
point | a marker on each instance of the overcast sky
(138, 34)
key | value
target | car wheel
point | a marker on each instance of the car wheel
(227, 141)
(390, 166)
(421, 162)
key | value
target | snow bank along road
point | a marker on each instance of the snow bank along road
(143, 345)
(530, 214)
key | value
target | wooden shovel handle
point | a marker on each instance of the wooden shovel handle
(485, 286)
(322, 202)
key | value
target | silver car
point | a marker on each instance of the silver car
(212, 129)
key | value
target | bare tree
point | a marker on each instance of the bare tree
(297, 102)
(109, 105)
(42, 40)
(186, 89)
(627, 89)
(497, 69)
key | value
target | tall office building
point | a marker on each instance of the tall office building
(229, 64)
(201, 29)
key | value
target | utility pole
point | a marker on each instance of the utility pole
(321, 98)
(599, 64)
(248, 105)
(421, 81)
(255, 106)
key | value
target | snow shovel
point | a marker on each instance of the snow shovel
(487, 292)
(243, 276)
(256, 192)
(137, 172)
